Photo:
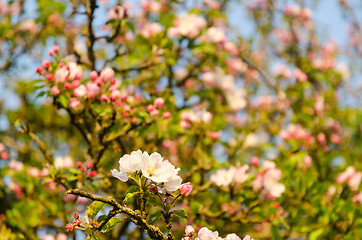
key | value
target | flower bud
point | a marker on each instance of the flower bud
(150, 108)
(104, 98)
(92, 173)
(55, 91)
(69, 227)
(56, 48)
(254, 161)
(89, 164)
(167, 115)
(93, 75)
(45, 64)
(159, 102)
(186, 189)
(76, 215)
(50, 77)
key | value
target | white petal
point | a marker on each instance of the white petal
(120, 175)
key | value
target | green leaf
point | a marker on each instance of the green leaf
(129, 196)
(111, 224)
(316, 234)
(94, 237)
(155, 201)
(180, 213)
(155, 216)
(101, 218)
(63, 100)
(93, 209)
(275, 232)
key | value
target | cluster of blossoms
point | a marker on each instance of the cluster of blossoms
(234, 95)
(268, 180)
(206, 234)
(195, 116)
(87, 168)
(302, 13)
(282, 70)
(153, 167)
(188, 26)
(223, 177)
(351, 176)
(296, 132)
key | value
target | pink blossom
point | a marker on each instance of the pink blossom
(186, 189)
(45, 64)
(167, 115)
(254, 161)
(55, 91)
(189, 231)
(115, 95)
(336, 139)
(206, 234)
(267, 165)
(48, 237)
(116, 13)
(357, 198)
(75, 71)
(16, 165)
(74, 103)
(63, 162)
(159, 102)
(33, 172)
(92, 89)
(214, 135)
(61, 75)
(61, 236)
(150, 29)
(93, 75)
(80, 91)
(104, 98)
(307, 160)
(240, 175)
(300, 76)
(232, 236)
(209, 78)
(231, 48)
(107, 74)
(214, 35)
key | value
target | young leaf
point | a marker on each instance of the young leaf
(93, 209)
(111, 224)
(155, 216)
(180, 213)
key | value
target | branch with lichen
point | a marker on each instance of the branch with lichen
(134, 215)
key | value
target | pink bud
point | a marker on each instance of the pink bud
(76, 222)
(45, 64)
(37, 70)
(159, 102)
(50, 53)
(134, 120)
(167, 115)
(93, 75)
(186, 189)
(75, 83)
(275, 205)
(336, 139)
(55, 91)
(75, 215)
(254, 161)
(79, 164)
(56, 48)
(69, 227)
(107, 74)
(4, 155)
(150, 108)
(155, 112)
(89, 164)
(61, 64)
(68, 85)
(104, 98)
(92, 173)
(50, 77)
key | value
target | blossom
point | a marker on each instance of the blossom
(152, 167)
(63, 162)
(107, 74)
(189, 230)
(150, 29)
(186, 189)
(206, 234)
(232, 236)
(223, 177)
(61, 74)
(188, 25)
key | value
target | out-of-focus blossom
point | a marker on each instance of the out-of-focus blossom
(63, 162)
